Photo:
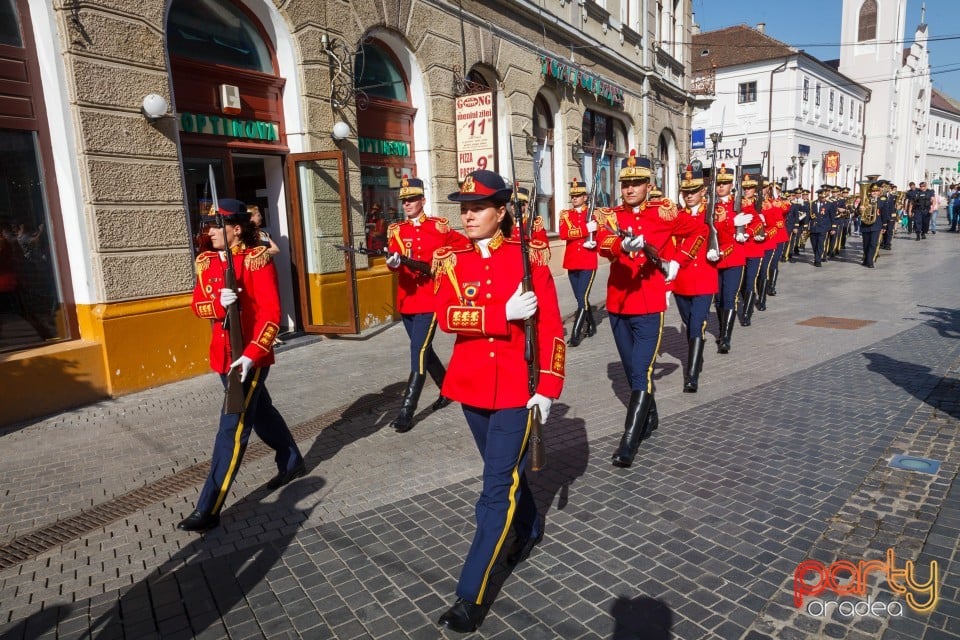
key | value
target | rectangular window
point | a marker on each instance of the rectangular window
(831, 100)
(806, 89)
(841, 105)
(816, 100)
(859, 113)
(747, 92)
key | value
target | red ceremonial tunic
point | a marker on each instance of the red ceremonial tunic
(258, 298)
(731, 251)
(419, 241)
(775, 211)
(753, 248)
(699, 276)
(487, 369)
(573, 229)
(635, 285)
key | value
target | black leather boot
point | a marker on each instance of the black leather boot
(724, 346)
(747, 316)
(772, 283)
(653, 419)
(761, 297)
(198, 521)
(404, 420)
(591, 324)
(437, 373)
(463, 616)
(722, 322)
(575, 336)
(694, 364)
(634, 428)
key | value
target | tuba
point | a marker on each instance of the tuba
(869, 207)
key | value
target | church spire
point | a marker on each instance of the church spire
(923, 13)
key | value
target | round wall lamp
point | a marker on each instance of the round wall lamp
(341, 131)
(154, 107)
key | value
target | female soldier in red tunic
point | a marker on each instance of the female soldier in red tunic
(479, 298)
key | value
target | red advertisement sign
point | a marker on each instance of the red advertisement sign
(831, 162)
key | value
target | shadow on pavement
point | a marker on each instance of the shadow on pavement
(640, 618)
(39, 624)
(945, 321)
(183, 597)
(913, 378)
(564, 465)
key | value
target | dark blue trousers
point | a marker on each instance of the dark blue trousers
(421, 328)
(234, 432)
(764, 273)
(505, 499)
(816, 241)
(730, 280)
(582, 281)
(777, 258)
(638, 341)
(694, 311)
(749, 282)
(871, 238)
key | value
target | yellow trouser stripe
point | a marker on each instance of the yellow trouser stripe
(586, 294)
(514, 486)
(656, 352)
(237, 446)
(421, 360)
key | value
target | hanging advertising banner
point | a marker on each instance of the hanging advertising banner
(831, 163)
(475, 148)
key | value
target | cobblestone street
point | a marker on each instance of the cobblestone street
(782, 456)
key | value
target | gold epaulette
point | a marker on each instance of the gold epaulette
(539, 253)
(747, 200)
(444, 260)
(443, 225)
(667, 209)
(538, 224)
(202, 263)
(602, 213)
(256, 258)
(393, 227)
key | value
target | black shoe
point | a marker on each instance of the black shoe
(817, 264)
(521, 549)
(197, 521)
(923, 236)
(869, 266)
(288, 476)
(440, 403)
(463, 616)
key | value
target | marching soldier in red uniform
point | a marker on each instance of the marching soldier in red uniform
(580, 258)
(539, 232)
(479, 298)
(732, 257)
(696, 282)
(636, 238)
(417, 237)
(259, 300)
(774, 211)
(753, 249)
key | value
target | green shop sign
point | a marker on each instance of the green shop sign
(579, 79)
(220, 126)
(384, 147)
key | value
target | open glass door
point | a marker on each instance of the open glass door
(320, 219)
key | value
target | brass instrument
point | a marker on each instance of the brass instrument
(901, 200)
(869, 209)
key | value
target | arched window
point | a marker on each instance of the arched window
(543, 133)
(867, 24)
(217, 32)
(377, 74)
(597, 128)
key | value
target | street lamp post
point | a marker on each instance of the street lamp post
(803, 161)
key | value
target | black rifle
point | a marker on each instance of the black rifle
(737, 176)
(415, 265)
(532, 204)
(233, 396)
(760, 235)
(650, 251)
(531, 353)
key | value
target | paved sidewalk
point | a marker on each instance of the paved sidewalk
(782, 456)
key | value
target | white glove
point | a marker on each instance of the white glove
(393, 260)
(227, 297)
(669, 295)
(740, 237)
(521, 305)
(543, 403)
(592, 226)
(245, 365)
(673, 268)
(742, 219)
(589, 244)
(762, 219)
(712, 255)
(632, 244)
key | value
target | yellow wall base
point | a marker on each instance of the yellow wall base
(376, 297)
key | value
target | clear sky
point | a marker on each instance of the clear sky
(814, 26)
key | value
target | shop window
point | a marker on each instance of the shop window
(597, 128)
(31, 306)
(377, 75)
(9, 24)
(216, 32)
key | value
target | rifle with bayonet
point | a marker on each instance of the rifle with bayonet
(532, 203)
(738, 198)
(712, 242)
(530, 351)
(416, 265)
(233, 395)
(650, 251)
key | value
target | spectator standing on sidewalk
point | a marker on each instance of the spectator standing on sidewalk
(259, 299)
(479, 298)
(417, 237)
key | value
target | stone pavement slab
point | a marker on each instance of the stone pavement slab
(779, 454)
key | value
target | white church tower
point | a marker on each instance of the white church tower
(895, 119)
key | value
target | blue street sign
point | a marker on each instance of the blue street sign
(698, 139)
